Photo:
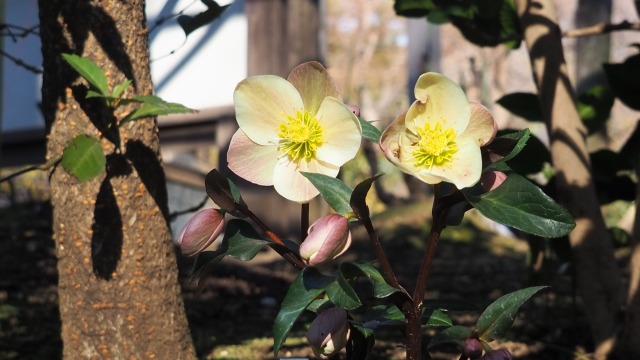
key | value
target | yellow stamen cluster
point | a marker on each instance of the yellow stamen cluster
(435, 146)
(300, 136)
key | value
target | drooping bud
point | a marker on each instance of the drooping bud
(491, 179)
(327, 239)
(201, 230)
(500, 354)
(329, 332)
(354, 109)
(472, 348)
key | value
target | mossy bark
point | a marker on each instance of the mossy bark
(118, 279)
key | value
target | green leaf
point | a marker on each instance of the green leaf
(155, 108)
(334, 191)
(380, 287)
(342, 294)
(223, 192)
(191, 23)
(358, 199)
(594, 107)
(413, 8)
(435, 317)
(88, 70)
(360, 343)
(532, 158)
(83, 158)
(301, 293)
(241, 240)
(500, 315)
(522, 205)
(119, 89)
(452, 335)
(505, 147)
(369, 131)
(525, 105)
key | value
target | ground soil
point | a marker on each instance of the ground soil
(232, 312)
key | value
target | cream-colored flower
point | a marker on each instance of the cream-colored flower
(439, 137)
(291, 126)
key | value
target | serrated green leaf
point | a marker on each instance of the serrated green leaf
(381, 288)
(525, 105)
(369, 131)
(119, 89)
(500, 315)
(506, 146)
(522, 205)
(88, 70)
(335, 192)
(242, 240)
(359, 196)
(300, 294)
(342, 294)
(452, 335)
(83, 158)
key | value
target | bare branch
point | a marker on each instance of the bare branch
(601, 28)
(17, 31)
(19, 62)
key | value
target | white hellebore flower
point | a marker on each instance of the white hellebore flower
(291, 126)
(439, 137)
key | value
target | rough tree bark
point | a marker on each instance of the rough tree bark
(597, 275)
(118, 287)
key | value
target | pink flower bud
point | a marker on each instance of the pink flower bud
(472, 348)
(328, 238)
(200, 231)
(491, 179)
(329, 333)
(500, 354)
(354, 109)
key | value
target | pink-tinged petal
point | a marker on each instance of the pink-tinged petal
(341, 132)
(492, 179)
(250, 161)
(466, 166)
(443, 101)
(329, 237)
(261, 104)
(396, 147)
(313, 83)
(329, 332)
(482, 126)
(292, 185)
(200, 231)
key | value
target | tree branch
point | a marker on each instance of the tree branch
(601, 28)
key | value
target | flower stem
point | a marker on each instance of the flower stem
(304, 221)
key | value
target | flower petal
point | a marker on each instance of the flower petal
(292, 185)
(393, 144)
(481, 127)
(261, 102)
(442, 100)
(465, 167)
(253, 162)
(313, 83)
(341, 132)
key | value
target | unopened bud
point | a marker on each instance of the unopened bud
(329, 332)
(354, 109)
(201, 230)
(472, 348)
(327, 239)
(500, 354)
(491, 179)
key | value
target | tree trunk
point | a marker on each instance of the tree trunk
(597, 275)
(118, 285)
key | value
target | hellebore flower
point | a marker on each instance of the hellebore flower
(439, 137)
(291, 126)
(472, 348)
(201, 230)
(329, 332)
(328, 238)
